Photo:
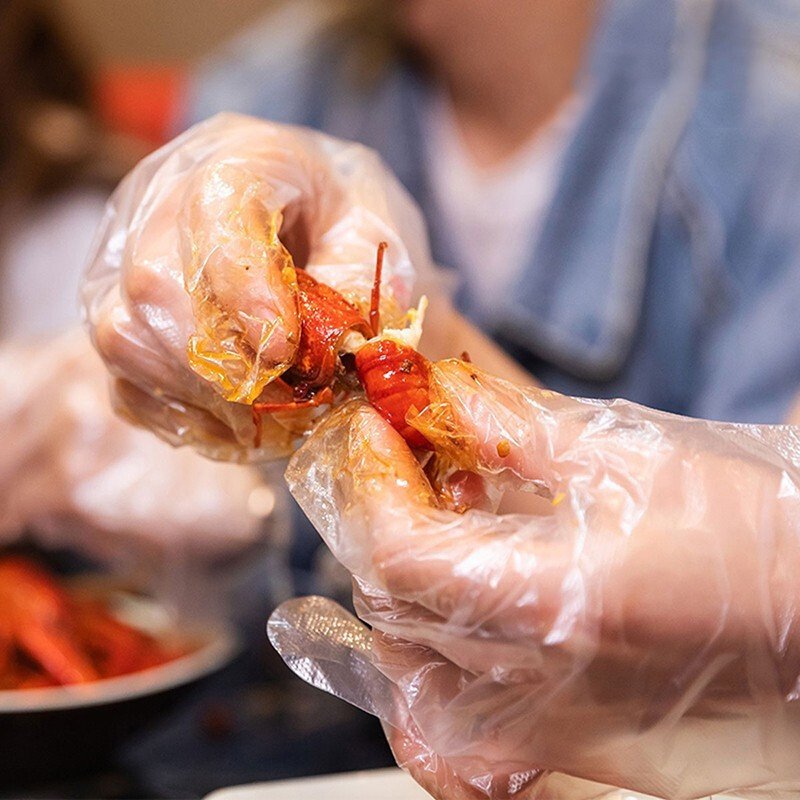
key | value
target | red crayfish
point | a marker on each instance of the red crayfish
(51, 636)
(394, 376)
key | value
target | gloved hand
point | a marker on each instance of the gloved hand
(73, 474)
(190, 294)
(638, 629)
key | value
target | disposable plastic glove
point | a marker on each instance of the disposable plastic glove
(640, 629)
(190, 294)
(73, 474)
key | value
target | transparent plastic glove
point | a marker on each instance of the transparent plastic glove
(73, 474)
(638, 629)
(191, 293)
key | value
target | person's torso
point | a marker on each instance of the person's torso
(658, 274)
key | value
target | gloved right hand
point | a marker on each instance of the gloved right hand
(640, 628)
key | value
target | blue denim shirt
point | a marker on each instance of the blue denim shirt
(668, 267)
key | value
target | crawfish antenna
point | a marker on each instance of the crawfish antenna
(375, 300)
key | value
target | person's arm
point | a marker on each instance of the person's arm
(794, 413)
(448, 334)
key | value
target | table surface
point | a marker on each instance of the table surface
(380, 784)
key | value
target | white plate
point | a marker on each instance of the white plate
(220, 647)
(380, 784)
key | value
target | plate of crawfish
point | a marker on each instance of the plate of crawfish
(86, 661)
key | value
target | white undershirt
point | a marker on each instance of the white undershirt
(493, 216)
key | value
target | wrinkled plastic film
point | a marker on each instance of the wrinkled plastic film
(231, 350)
(190, 294)
(639, 629)
(332, 650)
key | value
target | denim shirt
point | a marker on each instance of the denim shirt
(667, 270)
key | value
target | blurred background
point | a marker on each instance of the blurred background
(173, 33)
(140, 53)
(615, 186)
(139, 554)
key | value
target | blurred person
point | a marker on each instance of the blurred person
(633, 626)
(615, 182)
(55, 172)
(78, 485)
(243, 170)
(647, 327)
(72, 473)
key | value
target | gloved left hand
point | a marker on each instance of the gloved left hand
(73, 473)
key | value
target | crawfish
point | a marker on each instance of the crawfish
(395, 377)
(50, 636)
(35, 613)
